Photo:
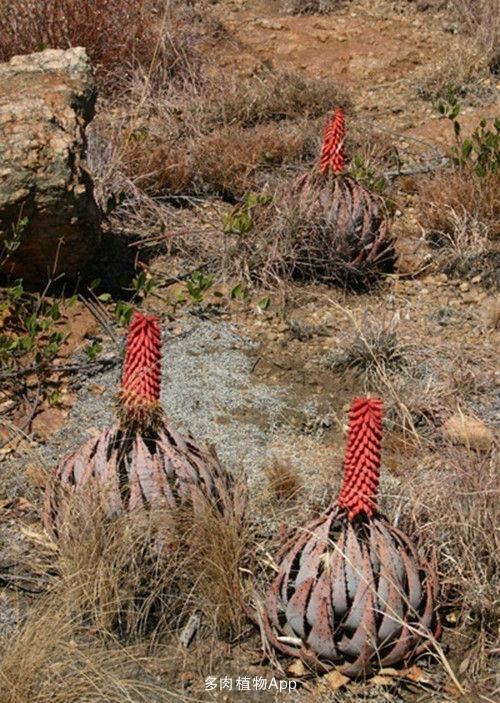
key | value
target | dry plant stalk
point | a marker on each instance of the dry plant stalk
(352, 592)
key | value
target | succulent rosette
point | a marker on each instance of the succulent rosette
(141, 462)
(359, 229)
(352, 591)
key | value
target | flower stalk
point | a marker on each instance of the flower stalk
(358, 493)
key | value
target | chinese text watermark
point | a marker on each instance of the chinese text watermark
(249, 683)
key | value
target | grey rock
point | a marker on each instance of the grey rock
(47, 205)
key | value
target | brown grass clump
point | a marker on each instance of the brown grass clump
(284, 480)
(481, 20)
(109, 29)
(412, 379)
(466, 69)
(146, 573)
(50, 658)
(374, 351)
(314, 7)
(118, 599)
(454, 500)
(460, 213)
(117, 34)
(113, 575)
(273, 97)
(221, 137)
(226, 161)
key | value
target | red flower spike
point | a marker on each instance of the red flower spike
(332, 153)
(139, 397)
(359, 489)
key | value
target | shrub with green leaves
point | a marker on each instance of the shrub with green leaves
(481, 151)
(28, 328)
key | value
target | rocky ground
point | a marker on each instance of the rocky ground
(271, 384)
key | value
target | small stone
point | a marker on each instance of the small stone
(471, 297)
(476, 279)
(97, 390)
(464, 287)
(466, 430)
(270, 24)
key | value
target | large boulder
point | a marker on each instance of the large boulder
(49, 220)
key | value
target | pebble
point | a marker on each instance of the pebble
(466, 430)
(464, 287)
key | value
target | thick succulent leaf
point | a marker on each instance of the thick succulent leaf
(296, 608)
(353, 562)
(313, 549)
(361, 644)
(337, 572)
(321, 638)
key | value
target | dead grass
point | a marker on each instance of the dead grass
(284, 480)
(460, 213)
(481, 20)
(115, 599)
(414, 380)
(51, 658)
(373, 351)
(159, 37)
(111, 30)
(466, 69)
(273, 96)
(454, 499)
(147, 572)
(218, 137)
(228, 160)
(315, 7)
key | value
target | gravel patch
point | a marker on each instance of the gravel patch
(208, 391)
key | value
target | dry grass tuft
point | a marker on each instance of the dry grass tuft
(114, 574)
(455, 503)
(146, 572)
(227, 160)
(119, 35)
(51, 658)
(466, 69)
(216, 548)
(480, 19)
(284, 481)
(273, 97)
(219, 136)
(412, 380)
(460, 213)
(374, 351)
(315, 7)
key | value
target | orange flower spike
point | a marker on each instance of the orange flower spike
(332, 153)
(139, 396)
(359, 489)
